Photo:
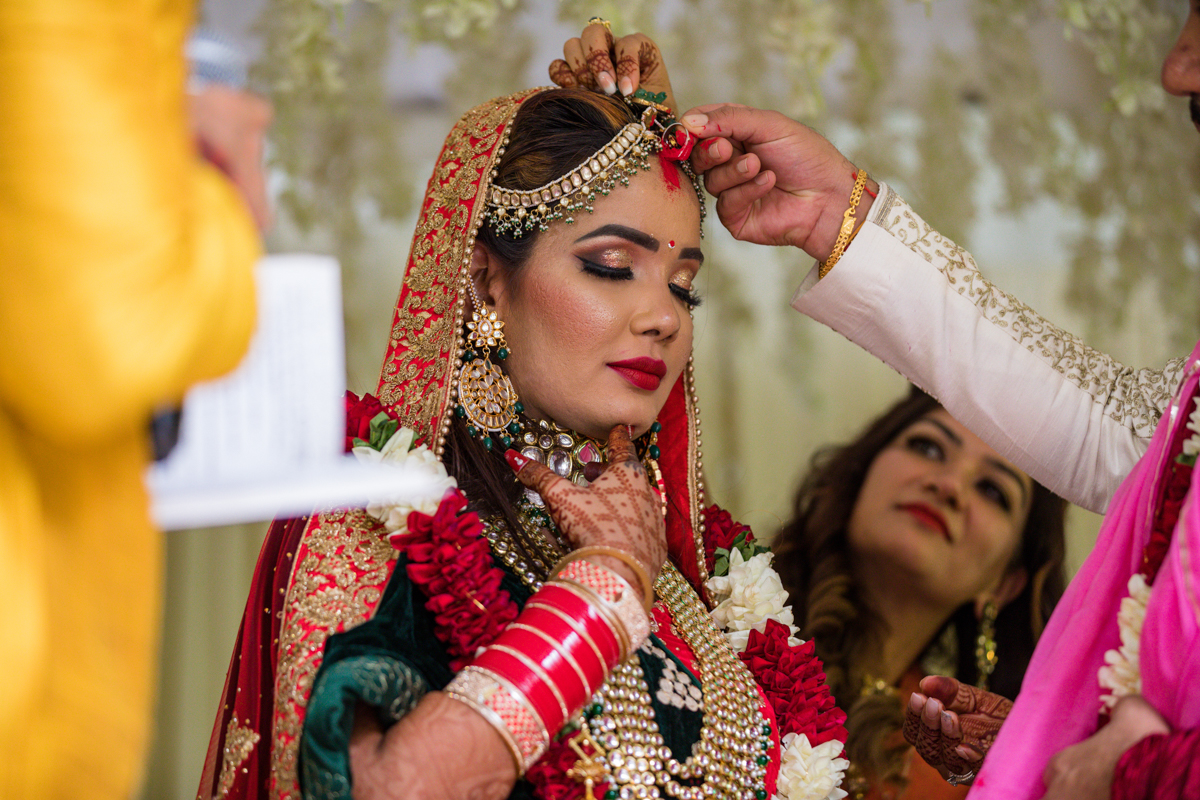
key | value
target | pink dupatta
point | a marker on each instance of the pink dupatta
(1059, 702)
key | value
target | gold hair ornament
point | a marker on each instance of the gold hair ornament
(516, 212)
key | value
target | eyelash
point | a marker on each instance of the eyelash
(919, 444)
(688, 298)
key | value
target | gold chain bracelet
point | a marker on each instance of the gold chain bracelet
(844, 234)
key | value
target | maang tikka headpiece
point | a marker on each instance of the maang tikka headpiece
(516, 212)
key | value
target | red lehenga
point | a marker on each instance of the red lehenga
(326, 588)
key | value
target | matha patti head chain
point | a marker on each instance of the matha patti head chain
(516, 212)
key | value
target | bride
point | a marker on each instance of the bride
(588, 628)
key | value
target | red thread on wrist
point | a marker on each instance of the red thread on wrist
(866, 189)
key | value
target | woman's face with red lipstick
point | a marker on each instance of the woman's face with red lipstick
(597, 320)
(940, 510)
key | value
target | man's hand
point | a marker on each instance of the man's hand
(230, 129)
(776, 181)
(444, 749)
(1084, 771)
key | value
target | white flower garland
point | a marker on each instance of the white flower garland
(399, 452)
(749, 595)
(1121, 674)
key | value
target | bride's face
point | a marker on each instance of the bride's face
(598, 320)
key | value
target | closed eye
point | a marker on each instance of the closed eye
(687, 296)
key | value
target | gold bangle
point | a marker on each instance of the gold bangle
(639, 571)
(845, 233)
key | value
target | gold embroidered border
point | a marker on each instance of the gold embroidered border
(416, 380)
(1134, 398)
(239, 742)
(341, 568)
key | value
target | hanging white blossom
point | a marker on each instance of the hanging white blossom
(810, 773)
(1122, 675)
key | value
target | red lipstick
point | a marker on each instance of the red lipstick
(929, 517)
(644, 373)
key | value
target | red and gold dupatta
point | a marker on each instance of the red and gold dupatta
(326, 573)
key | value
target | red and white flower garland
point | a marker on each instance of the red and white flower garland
(1121, 674)
(449, 559)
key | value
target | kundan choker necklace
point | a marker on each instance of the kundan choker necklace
(619, 725)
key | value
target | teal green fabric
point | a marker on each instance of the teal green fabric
(394, 659)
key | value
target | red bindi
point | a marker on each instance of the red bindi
(671, 244)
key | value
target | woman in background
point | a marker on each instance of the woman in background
(907, 546)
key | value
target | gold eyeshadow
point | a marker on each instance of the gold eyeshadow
(683, 279)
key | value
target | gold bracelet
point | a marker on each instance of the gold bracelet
(847, 229)
(639, 571)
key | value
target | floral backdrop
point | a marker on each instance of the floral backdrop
(1034, 132)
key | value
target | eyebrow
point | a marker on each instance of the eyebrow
(995, 462)
(640, 238)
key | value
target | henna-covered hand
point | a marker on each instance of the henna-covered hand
(952, 725)
(588, 62)
(619, 509)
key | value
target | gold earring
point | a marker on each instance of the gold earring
(486, 398)
(985, 644)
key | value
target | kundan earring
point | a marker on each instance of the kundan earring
(486, 398)
(985, 644)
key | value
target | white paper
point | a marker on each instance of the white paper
(266, 440)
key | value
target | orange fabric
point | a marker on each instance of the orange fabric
(127, 277)
(924, 781)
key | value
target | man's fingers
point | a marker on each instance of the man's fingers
(737, 171)
(561, 75)
(740, 123)
(735, 206)
(536, 476)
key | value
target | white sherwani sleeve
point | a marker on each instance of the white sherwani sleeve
(1072, 417)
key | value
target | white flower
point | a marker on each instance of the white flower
(398, 452)
(749, 595)
(810, 773)
(1122, 675)
(1191, 445)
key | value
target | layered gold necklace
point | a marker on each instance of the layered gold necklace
(629, 754)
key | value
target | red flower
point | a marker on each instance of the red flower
(359, 413)
(451, 563)
(549, 774)
(793, 680)
(720, 529)
(1179, 480)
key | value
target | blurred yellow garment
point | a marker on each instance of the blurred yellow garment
(127, 276)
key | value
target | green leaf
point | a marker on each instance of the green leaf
(721, 567)
(382, 428)
(360, 443)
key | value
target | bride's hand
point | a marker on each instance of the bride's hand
(589, 60)
(619, 509)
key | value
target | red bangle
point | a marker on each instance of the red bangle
(591, 618)
(530, 679)
(585, 654)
